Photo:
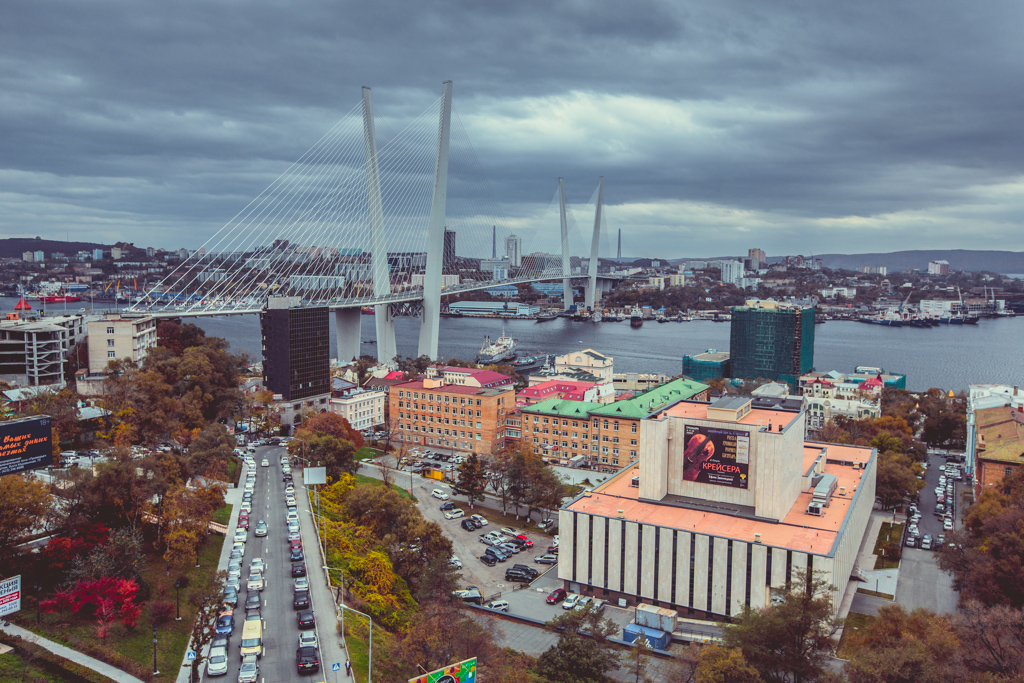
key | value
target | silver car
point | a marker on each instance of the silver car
(217, 662)
(249, 672)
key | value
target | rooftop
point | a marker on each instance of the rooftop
(417, 385)
(1000, 433)
(658, 398)
(756, 416)
(579, 410)
(797, 531)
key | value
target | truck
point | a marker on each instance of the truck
(659, 640)
(660, 618)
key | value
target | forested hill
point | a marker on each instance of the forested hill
(14, 247)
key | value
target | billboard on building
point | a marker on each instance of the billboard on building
(26, 444)
(716, 456)
(10, 595)
(462, 672)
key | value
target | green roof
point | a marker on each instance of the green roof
(578, 410)
(656, 399)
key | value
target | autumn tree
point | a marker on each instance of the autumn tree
(576, 658)
(186, 514)
(206, 599)
(471, 481)
(330, 424)
(789, 641)
(62, 407)
(904, 647)
(210, 452)
(23, 503)
(991, 638)
(717, 664)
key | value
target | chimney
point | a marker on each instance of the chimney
(622, 514)
(757, 538)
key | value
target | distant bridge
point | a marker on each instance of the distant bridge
(346, 227)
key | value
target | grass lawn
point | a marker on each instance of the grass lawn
(234, 470)
(223, 515)
(13, 667)
(367, 452)
(888, 532)
(357, 642)
(136, 644)
(854, 623)
(865, 591)
(496, 518)
(363, 479)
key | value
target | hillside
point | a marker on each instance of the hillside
(14, 247)
(959, 259)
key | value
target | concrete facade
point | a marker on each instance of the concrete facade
(119, 338)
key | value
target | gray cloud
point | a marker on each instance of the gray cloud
(863, 126)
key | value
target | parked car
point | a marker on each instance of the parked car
(480, 521)
(516, 576)
(226, 624)
(447, 505)
(488, 560)
(553, 549)
(439, 494)
(256, 582)
(947, 524)
(556, 596)
(296, 554)
(926, 542)
(301, 584)
(308, 639)
(306, 619)
(243, 523)
(455, 514)
(307, 660)
(499, 605)
(298, 569)
(455, 562)
(217, 661)
(252, 600)
(546, 559)
(570, 601)
(300, 600)
(249, 671)
(469, 525)
(509, 548)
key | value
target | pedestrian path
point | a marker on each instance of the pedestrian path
(71, 655)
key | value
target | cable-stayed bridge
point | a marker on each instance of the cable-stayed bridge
(396, 220)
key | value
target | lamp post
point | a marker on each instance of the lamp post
(177, 599)
(39, 590)
(369, 666)
(155, 671)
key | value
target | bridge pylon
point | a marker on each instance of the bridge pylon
(430, 322)
(566, 258)
(595, 242)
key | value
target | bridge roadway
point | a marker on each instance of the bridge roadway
(280, 626)
(406, 296)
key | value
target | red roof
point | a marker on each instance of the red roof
(22, 305)
(446, 388)
(395, 375)
(570, 391)
(491, 378)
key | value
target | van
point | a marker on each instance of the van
(499, 605)
(496, 554)
(252, 638)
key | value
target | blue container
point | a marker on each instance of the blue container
(659, 640)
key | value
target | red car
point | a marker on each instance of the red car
(553, 549)
(557, 595)
(243, 522)
(295, 545)
(522, 537)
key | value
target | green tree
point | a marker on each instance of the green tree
(62, 407)
(576, 658)
(472, 479)
(207, 600)
(638, 661)
(896, 479)
(791, 641)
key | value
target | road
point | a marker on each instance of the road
(280, 629)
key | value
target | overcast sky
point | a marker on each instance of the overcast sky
(794, 127)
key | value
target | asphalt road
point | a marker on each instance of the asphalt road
(280, 629)
(930, 524)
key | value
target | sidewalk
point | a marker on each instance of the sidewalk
(233, 497)
(72, 655)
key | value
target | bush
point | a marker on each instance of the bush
(161, 611)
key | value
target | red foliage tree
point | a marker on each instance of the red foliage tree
(332, 424)
(106, 598)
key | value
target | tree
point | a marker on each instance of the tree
(337, 455)
(330, 424)
(62, 407)
(121, 556)
(576, 658)
(207, 600)
(791, 641)
(904, 647)
(637, 661)
(186, 514)
(991, 638)
(896, 479)
(23, 502)
(472, 480)
(717, 664)
(210, 452)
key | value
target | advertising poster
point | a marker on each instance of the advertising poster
(26, 444)
(10, 595)
(716, 456)
(462, 672)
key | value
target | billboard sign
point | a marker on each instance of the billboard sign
(716, 456)
(462, 672)
(314, 476)
(26, 444)
(10, 595)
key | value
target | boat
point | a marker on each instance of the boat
(529, 362)
(548, 315)
(503, 348)
(636, 317)
(596, 317)
(59, 299)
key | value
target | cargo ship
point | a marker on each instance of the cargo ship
(503, 348)
(636, 317)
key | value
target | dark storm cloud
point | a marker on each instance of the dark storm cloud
(716, 123)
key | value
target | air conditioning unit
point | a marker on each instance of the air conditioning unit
(814, 509)
(635, 482)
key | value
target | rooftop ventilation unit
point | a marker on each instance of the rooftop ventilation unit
(824, 486)
(635, 482)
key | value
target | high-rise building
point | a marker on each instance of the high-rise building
(39, 256)
(296, 350)
(757, 255)
(97, 254)
(732, 271)
(938, 267)
(618, 252)
(119, 337)
(448, 263)
(771, 340)
(514, 250)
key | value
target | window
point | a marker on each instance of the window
(111, 354)
(632, 442)
(633, 427)
(110, 330)
(615, 426)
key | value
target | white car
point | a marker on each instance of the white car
(246, 506)
(455, 514)
(249, 672)
(308, 639)
(455, 562)
(510, 532)
(256, 564)
(440, 495)
(217, 661)
(947, 524)
(240, 535)
(239, 546)
(265, 463)
(480, 521)
(255, 582)
(301, 584)
(570, 601)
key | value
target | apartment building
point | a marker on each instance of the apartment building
(120, 337)
(363, 408)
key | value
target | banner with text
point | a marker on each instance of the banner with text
(716, 456)
(26, 444)
(10, 595)
(462, 672)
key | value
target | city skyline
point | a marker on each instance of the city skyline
(806, 131)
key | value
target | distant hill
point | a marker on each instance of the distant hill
(14, 247)
(959, 259)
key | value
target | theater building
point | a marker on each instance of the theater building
(726, 503)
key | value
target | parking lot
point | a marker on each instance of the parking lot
(930, 523)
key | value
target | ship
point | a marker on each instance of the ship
(636, 317)
(494, 352)
(547, 315)
(530, 362)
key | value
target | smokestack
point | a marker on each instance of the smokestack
(619, 254)
(494, 241)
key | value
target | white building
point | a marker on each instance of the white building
(363, 408)
(732, 271)
(514, 250)
(35, 352)
(938, 267)
(725, 505)
(119, 337)
(588, 360)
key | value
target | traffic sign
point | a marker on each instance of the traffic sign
(190, 656)
(336, 666)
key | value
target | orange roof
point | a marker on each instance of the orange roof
(798, 531)
(756, 416)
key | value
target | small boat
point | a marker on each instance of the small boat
(596, 317)
(636, 317)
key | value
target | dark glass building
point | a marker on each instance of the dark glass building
(772, 341)
(296, 349)
(448, 261)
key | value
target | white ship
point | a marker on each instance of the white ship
(495, 352)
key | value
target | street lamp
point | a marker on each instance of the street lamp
(369, 666)
(155, 672)
(39, 590)
(177, 598)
